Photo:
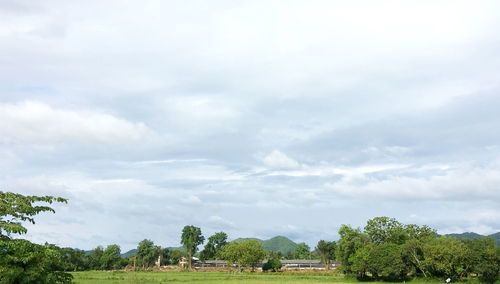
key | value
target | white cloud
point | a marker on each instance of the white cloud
(38, 123)
(219, 223)
(463, 183)
(279, 160)
(192, 200)
(362, 95)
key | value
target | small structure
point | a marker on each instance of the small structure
(158, 261)
(213, 263)
(305, 264)
(183, 262)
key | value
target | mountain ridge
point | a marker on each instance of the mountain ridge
(474, 236)
(279, 244)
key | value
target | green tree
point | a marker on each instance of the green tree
(74, 259)
(381, 261)
(446, 257)
(413, 247)
(302, 251)
(111, 258)
(359, 261)
(272, 264)
(176, 255)
(350, 241)
(484, 259)
(20, 260)
(16, 208)
(24, 262)
(95, 258)
(386, 262)
(191, 238)
(385, 229)
(213, 246)
(246, 254)
(147, 253)
(165, 256)
(326, 251)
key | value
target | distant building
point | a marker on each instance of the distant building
(287, 264)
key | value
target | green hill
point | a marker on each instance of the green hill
(473, 236)
(466, 236)
(129, 253)
(278, 243)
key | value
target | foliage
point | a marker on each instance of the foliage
(16, 208)
(385, 230)
(277, 244)
(446, 257)
(20, 260)
(385, 262)
(175, 256)
(389, 250)
(95, 257)
(24, 262)
(272, 264)
(147, 253)
(326, 251)
(191, 238)
(302, 251)
(74, 259)
(485, 258)
(245, 254)
(213, 246)
(111, 258)
(350, 241)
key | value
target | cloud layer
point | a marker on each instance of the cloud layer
(152, 116)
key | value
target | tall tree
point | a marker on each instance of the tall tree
(417, 236)
(350, 241)
(384, 229)
(147, 253)
(326, 251)
(302, 251)
(213, 246)
(191, 238)
(111, 258)
(95, 258)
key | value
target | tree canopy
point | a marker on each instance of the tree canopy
(191, 238)
(20, 260)
(16, 208)
(246, 253)
(214, 245)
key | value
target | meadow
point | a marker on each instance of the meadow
(178, 277)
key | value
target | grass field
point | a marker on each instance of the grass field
(172, 277)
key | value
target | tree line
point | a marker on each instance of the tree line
(384, 249)
(389, 250)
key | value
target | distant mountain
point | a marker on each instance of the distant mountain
(466, 236)
(129, 253)
(278, 243)
(474, 236)
(238, 240)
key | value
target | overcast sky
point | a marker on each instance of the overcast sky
(257, 118)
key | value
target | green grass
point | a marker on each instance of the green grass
(172, 277)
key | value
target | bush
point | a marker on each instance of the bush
(273, 264)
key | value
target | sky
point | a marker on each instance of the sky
(256, 118)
